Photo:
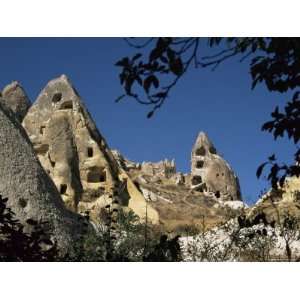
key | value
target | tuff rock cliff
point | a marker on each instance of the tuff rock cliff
(89, 176)
(210, 173)
(14, 97)
(76, 156)
(30, 191)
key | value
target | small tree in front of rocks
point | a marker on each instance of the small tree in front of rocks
(18, 245)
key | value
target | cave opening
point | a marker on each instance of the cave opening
(196, 180)
(96, 175)
(199, 164)
(63, 189)
(90, 152)
(56, 97)
(67, 105)
(200, 151)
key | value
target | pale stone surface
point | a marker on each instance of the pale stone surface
(30, 191)
(75, 154)
(277, 203)
(16, 99)
(178, 178)
(164, 168)
(123, 162)
(210, 173)
(221, 238)
(236, 205)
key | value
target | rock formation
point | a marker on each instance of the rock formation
(163, 168)
(76, 155)
(16, 99)
(275, 204)
(89, 176)
(210, 173)
(124, 163)
(30, 191)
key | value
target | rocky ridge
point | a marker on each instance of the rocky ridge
(88, 175)
(76, 156)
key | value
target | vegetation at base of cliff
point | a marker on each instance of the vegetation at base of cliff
(18, 245)
(123, 237)
(247, 239)
(120, 237)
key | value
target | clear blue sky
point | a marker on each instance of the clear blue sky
(220, 103)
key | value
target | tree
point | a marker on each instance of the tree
(151, 73)
(18, 245)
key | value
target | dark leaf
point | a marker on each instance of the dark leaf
(150, 80)
(137, 56)
(124, 62)
(120, 98)
(150, 114)
(160, 95)
(272, 157)
(164, 59)
(170, 54)
(281, 181)
(155, 54)
(296, 95)
(268, 126)
(176, 66)
(260, 169)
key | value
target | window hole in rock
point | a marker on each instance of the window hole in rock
(56, 97)
(90, 152)
(95, 175)
(196, 180)
(200, 151)
(67, 105)
(22, 202)
(63, 189)
(42, 130)
(199, 164)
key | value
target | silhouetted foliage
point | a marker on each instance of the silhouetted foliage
(18, 245)
(120, 237)
(166, 250)
(149, 76)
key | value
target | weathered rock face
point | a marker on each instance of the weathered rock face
(124, 163)
(75, 154)
(30, 191)
(211, 173)
(163, 168)
(16, 99)
(277, 203)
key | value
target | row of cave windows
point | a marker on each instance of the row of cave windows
(90, 153)
(57, 97)
(66, 105)
(95, 176)
(201, 151)
(203, 188)
(200, 164)
(197, 180)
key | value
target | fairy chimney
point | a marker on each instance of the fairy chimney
(76, 155)
(16, 99)
(210, 173)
